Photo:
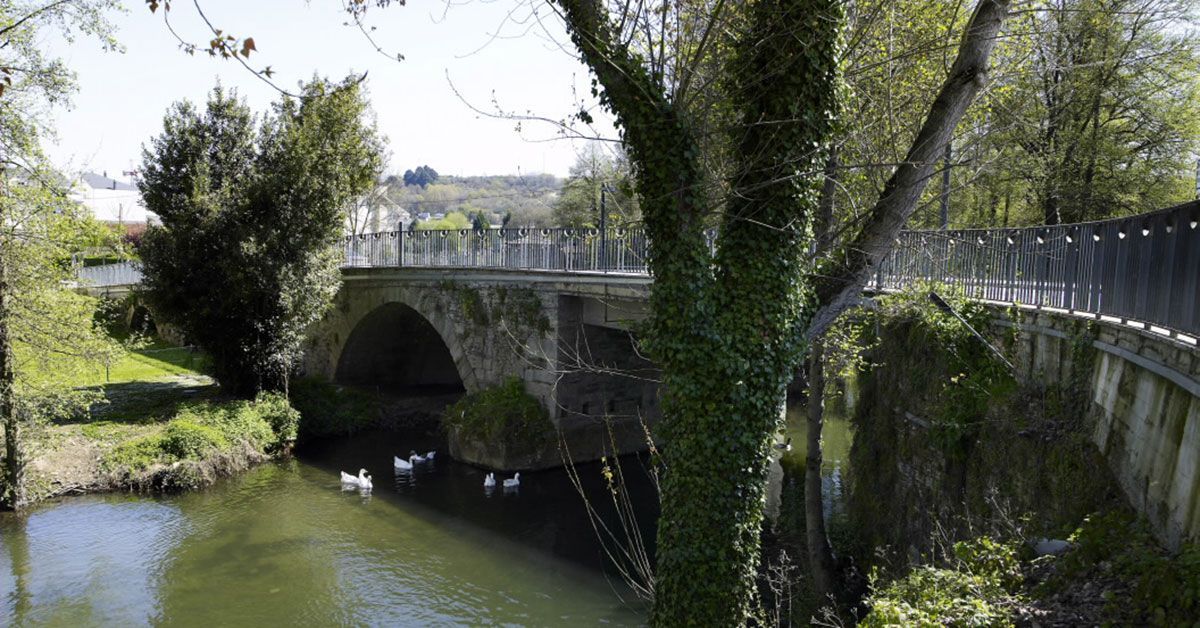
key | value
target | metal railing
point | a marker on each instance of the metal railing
(1144, 268)
(109, 275)
(615, 250)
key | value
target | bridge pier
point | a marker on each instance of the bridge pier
(569, 343)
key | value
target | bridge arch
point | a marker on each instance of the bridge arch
(395, 346)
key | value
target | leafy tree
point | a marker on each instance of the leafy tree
(422, 176)
(246, 257)
(1103, 119)
(728, 330)
(44, 327)
(594, 174)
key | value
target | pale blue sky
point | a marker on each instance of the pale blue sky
(122, 97)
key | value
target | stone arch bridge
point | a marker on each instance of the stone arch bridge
(556, 308)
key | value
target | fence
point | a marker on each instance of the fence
(108, 275)
(572, 250)
(1144, 268)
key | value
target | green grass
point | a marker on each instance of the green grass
(199, 429)
(154, 363)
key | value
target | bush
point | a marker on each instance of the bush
(505, 412)
(266, 424)
(136, 454)
(326, 409)
(1165, 589)
(183, 439)
(977, 592)
(280, 415)
(929, 596)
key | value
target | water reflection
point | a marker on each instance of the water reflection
(283, 545)
(88, 563)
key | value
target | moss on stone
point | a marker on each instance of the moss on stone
(504, 413)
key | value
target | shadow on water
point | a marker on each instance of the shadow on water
(544, 513)
(282, 544)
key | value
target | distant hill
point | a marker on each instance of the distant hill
(529, 198)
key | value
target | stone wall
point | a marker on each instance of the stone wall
(406, 330)
(1143, 392)
(1103, 412)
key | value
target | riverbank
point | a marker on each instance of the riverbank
(158, 422)
(171, 433)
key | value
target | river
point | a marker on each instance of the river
(283, 545)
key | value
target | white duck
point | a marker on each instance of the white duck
(429, 456)
(513, 482)
(401, 464)
(414, 457)
(489, 481)
(363, 480)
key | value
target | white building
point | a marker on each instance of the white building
(112, 201)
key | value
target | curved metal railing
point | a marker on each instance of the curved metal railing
(1143, 268)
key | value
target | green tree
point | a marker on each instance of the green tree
(44, 327)
(728, 330)
(422, 176)
(597, 176)
(246, 257)
(1105, 117)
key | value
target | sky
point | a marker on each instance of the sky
(508, 54)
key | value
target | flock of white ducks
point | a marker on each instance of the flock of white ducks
(406, 465)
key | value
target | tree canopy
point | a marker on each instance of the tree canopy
(252, 212)
(422, 176)
(44, 326)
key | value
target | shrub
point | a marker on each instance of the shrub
(1165, 589)
(280, 415)
(929, 596)
(326, 409)
(266, 424)
(504, 412)
(136, 454)
(183, 439)
(976, 592)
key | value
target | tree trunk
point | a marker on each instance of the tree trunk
(820, 554)
(13, 495)
(822, 567)
(728, 334)
(839, 281)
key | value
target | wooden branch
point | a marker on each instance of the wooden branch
(839, 283)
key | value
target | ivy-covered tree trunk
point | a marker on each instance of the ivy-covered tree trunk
(13, 495)
(728, 329)
(724, 329)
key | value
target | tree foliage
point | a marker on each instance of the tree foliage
(246, 256)
(422, 176)
(598, 180)
(44, 327)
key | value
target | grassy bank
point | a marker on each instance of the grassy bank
(162, 425)
(1111, 573)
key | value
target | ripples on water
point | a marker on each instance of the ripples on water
(283, 545)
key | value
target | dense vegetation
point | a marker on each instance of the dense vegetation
(44, 327)
(246, 257)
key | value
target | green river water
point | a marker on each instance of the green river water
(283, 545)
